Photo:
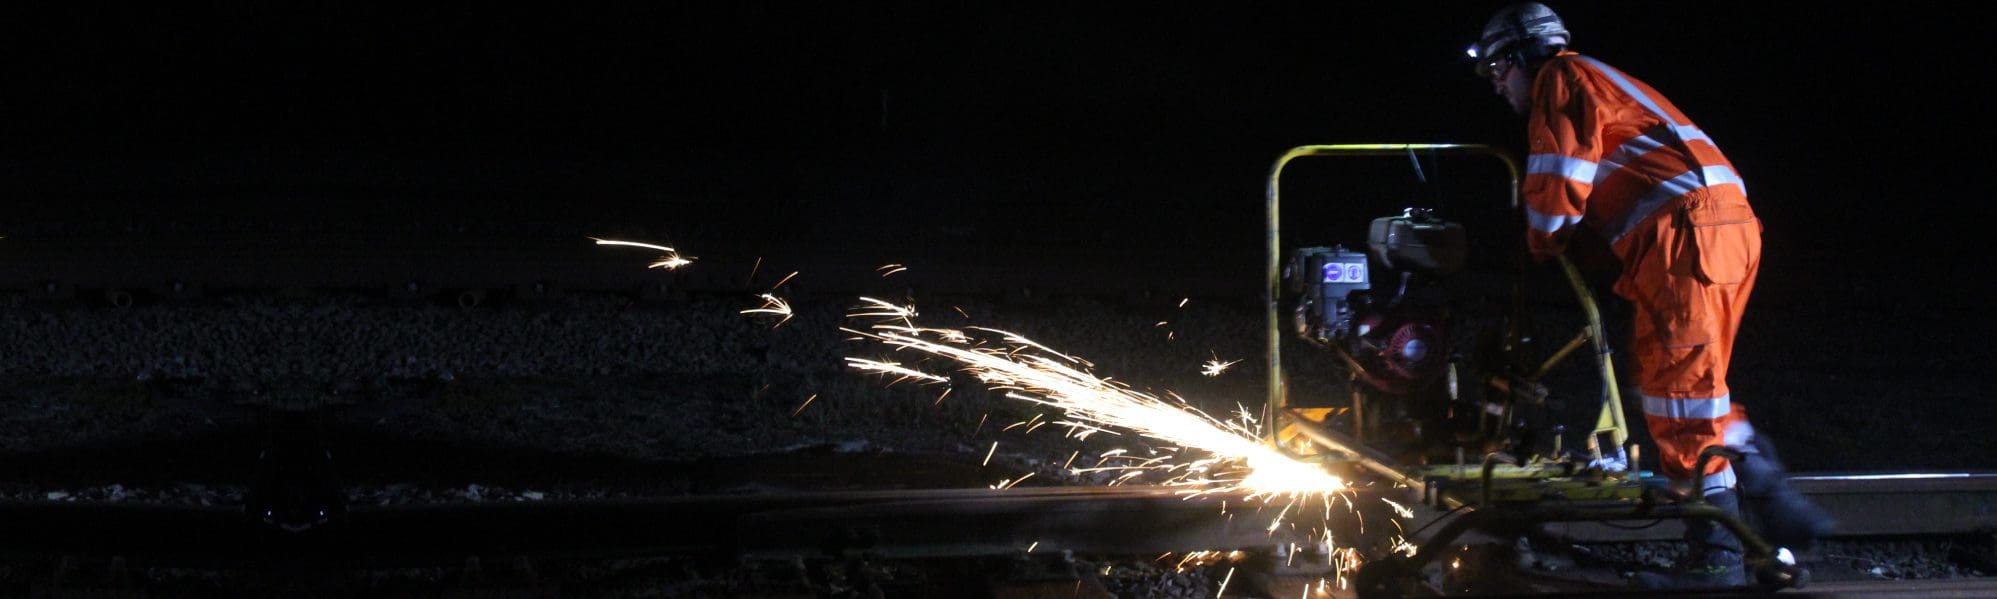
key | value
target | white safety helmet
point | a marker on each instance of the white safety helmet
(1533, 23)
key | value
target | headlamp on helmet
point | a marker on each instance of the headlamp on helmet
(1522, 33)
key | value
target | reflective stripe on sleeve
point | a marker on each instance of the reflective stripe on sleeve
(1705, 409)
(1566, 167)
(1549, 223)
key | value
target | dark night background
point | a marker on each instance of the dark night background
(757, 129)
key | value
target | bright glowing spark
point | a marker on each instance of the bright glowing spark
(1222, 592)
(800, 407)
(774, 306)
(1402, 510)
(786, 279)
(988, 454)
(671, 260)
(880, 309)
(1029, 548)
(1035, 418)
(893, 368)
(1022, 342)
(1009, 483)
(890, 269)
(1182, 302)
(752, 271)
(1214, 367)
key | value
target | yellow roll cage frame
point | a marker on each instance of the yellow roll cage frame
(1278, 416)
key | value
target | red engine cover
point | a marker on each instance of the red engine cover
(1403, 351)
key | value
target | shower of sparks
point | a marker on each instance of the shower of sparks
(1214, 367)
(1235, 458)
(1206, 455)
(669, 261)
(774, 306)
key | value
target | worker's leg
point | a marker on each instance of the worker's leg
(1685, 400)
(1683, 337)
(1688, 408)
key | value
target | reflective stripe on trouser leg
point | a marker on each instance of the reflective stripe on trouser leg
(1684, 427)
(1718, 482)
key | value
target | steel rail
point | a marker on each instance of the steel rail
(914, 523)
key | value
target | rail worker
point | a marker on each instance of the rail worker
(1609, 153)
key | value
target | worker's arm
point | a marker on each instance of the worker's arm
(1565, 147)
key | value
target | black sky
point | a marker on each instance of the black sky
(1834, 113)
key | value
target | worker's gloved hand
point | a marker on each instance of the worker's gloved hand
(1788, 519)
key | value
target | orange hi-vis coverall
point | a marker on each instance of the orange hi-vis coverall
(1609, 151)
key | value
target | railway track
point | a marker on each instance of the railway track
(919, 525)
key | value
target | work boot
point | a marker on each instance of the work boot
(1715, 558)
(1786, 517)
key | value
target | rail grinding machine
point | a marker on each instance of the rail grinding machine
(1421, 408)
